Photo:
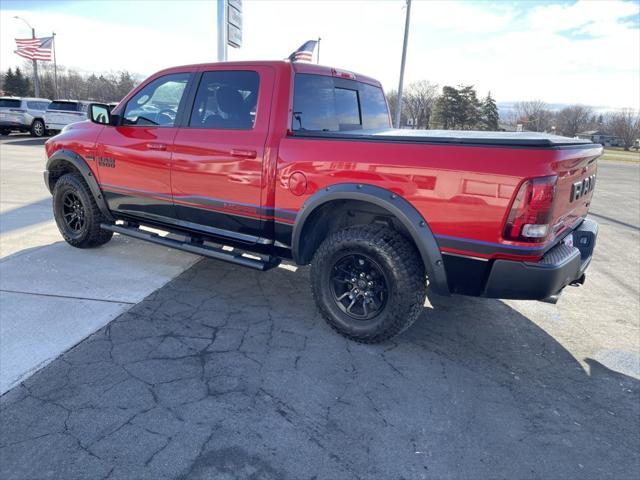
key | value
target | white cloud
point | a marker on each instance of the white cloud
(516, 52)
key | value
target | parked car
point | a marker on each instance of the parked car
(299, 161)
(24, 114)
(61, 113)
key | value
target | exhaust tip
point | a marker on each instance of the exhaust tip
(578, 281)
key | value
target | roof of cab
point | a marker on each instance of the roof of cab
(298, 67)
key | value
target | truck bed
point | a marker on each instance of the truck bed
(460, 137)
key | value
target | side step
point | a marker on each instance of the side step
(195, 246)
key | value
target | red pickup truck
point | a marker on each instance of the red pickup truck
(252, 162)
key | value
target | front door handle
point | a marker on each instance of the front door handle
(243, 153)
(156, 146)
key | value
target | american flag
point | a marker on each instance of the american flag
(305, 52)
(35, 48)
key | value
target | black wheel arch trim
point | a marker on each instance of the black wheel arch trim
(406, 213)
(82, 166)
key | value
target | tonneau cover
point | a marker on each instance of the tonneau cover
(464, 137)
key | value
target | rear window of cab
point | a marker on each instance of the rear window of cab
(328, 104)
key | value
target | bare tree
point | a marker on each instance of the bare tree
(573, 120)
(419, 101)
(625, 125)
(533, 115)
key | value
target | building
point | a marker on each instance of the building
(603, 138)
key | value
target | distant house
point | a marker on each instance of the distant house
(603, 138)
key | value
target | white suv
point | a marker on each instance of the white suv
(61, 113)
(23, 115)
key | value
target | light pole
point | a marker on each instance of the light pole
(36, 82)
(404, 57)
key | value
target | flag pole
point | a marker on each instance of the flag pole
(55, 66)
(318, 57)
(404, 57)
(36, 81)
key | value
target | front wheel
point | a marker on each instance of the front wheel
(77, 215)
(37, 128)
(368, 282)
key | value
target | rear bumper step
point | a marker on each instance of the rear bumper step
(196, 246)
(544, 280)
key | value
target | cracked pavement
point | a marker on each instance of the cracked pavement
(230, 373)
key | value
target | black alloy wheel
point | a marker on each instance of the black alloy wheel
(359, 286)
(73, 212)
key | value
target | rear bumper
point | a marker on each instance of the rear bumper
(5, 124)
(560, 266)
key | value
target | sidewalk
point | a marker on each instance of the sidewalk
(52, 295)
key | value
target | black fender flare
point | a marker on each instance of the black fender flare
(402, 210)
(68, 156)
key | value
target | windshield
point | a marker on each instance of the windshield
(328, 104)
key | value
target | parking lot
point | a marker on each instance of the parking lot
(229, 373)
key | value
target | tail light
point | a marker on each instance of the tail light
(530, 216)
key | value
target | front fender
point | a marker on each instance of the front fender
(401, 209)
(60, 160)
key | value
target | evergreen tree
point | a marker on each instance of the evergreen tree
(468, 111)
(9, 83)
(447, 109)
(490, 115)
(22, 84)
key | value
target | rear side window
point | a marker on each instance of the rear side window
(322, 103)
(157, 103)
(9, 103)
(66, 106)
(37, 105)
(226, 100)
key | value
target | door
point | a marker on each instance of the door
(134, 158)
(218, 155)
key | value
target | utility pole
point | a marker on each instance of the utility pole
(318, 57)
(404, 57)
(222, 30)
(36, 81)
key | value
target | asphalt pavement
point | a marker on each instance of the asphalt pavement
(228, 373)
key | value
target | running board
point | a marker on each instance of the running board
(195, 246)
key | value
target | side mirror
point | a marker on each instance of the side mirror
(100, 113)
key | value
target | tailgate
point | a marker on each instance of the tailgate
(576, 171)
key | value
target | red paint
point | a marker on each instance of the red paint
(461, 191)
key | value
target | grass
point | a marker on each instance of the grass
(619, 155)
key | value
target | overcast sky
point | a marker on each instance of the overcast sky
(585, 51)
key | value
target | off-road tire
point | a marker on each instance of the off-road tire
(401, 265)
(37, 128)
(89, 234)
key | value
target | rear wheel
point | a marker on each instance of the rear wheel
(368, 282)
(37, 128)
(77, 214)
(5, 132)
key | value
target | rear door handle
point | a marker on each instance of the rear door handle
(243, 153)
(156, 146)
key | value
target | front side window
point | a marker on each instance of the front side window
(226, 100)
(157, 103)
